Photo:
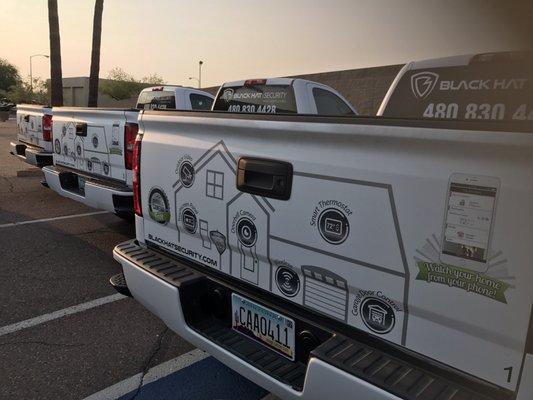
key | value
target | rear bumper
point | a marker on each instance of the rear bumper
(344, 367)
(97, 194)
(32, 155)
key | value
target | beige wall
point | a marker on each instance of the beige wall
(76, 93)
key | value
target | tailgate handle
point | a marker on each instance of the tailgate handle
(26, 118)
(264, 177)
(81, 129)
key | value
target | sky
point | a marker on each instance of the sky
(240, 39)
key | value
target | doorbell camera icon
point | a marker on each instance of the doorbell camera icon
(246, 232)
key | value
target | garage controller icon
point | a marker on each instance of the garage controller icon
(377, 315)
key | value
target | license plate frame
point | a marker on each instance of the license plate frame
(280, 329)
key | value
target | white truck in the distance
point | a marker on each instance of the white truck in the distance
(281, 96)
(93, 147)
(345, 258)
(34, 135)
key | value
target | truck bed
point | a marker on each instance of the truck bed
(359, 240)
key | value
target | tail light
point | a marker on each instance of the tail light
(130, 133)
(254, 82)
(47, 128)
(137, 177)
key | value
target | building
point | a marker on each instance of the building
(76, 93)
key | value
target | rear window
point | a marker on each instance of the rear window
(200, 102)
(156, 100)
(328, 103)
(489, 88)
(261, 99)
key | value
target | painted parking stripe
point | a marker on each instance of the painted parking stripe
(28, 323)
(36, 221)
(205, 379)
(160, 371)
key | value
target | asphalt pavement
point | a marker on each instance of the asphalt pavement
(64, 332)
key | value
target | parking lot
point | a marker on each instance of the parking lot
(64, 332)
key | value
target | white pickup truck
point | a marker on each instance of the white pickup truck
(346, 258)
(34, 134)
(281, 96)
(93, 148)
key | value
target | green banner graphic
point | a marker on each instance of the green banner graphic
(115, 150)
(160, 216)
(462, 278)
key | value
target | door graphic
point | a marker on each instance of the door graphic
(248, 239)
(249, 263)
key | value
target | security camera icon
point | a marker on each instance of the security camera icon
(246, 232)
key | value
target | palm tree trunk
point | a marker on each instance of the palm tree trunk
(95, 55)
(55, 55)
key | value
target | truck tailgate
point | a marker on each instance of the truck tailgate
(30, 125)
(359, 239)
(92, 141)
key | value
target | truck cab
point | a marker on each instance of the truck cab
(34, 134)
(174, 98)
(475, 87)
(281, 96)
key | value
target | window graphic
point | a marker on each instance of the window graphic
(214, 185)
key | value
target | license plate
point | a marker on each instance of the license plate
(263, 325)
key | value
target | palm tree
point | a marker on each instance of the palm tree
(55, 55)
(95, 55)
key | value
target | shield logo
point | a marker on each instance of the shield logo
(228, 94)
(219, 240)
(423, 83)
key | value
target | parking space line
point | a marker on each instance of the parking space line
(28, 323)
(36, 221)
(160, 371)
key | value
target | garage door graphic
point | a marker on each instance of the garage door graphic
(337, 239)
(326, 292)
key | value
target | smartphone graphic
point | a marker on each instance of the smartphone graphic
(469, 220)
